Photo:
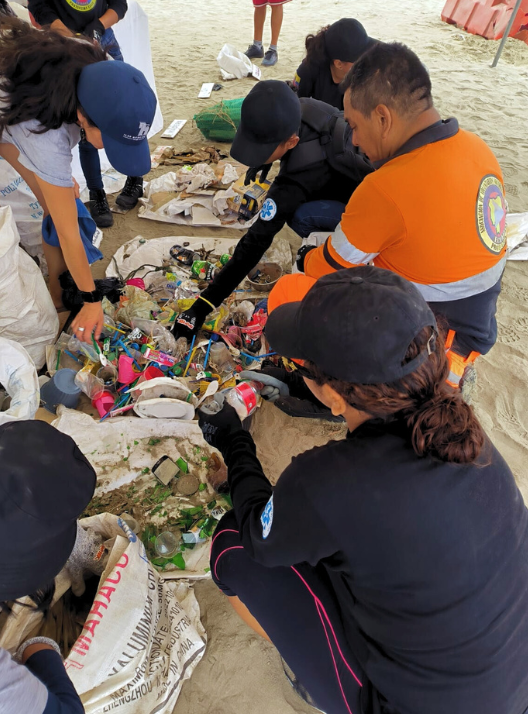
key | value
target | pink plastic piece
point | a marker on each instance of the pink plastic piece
(103, 402)
(136, 282)
(125, 372)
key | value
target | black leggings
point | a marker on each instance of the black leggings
(299, 614)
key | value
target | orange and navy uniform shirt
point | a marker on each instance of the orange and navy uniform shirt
(434, 213)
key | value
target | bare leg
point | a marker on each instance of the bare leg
(242, 611)
(259, 18)
(54, 257)
(277, 13)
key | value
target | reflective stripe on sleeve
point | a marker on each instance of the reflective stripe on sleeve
(346, 251)
(474, 285)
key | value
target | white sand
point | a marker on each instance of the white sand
(240, 674)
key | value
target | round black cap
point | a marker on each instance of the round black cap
(355, 325)
(45, 484)
(347, 40)
(271, 113)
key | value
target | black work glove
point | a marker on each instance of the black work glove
(251, 174)
(301, 255)
(95, 30)
(189, 322)
(217, 428)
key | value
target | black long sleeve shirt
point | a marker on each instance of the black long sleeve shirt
(428, 560)
(289, 191)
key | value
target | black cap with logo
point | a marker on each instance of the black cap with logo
(356, 325)
(347, 40)
(271, 114)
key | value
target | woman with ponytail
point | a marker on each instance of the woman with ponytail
(390, 568)
(330, 55)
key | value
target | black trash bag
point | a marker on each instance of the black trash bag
(71, 297)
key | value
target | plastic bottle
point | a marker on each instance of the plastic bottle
(244, 398)
(220, 358)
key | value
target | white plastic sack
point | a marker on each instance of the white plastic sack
(236, 65)
(27, 211)
(517, 236)
(19, 378)
(138, 644)
(142, 638)
(27, 314)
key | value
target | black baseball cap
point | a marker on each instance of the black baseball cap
(120, 102)
(270, 114)
(347, 40)
(45, 484)
(356, 325)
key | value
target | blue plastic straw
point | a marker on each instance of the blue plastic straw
(207, 352)
(120, 342)
(72, 356)
(257, 357)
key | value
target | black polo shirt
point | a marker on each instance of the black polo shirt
(316, 81)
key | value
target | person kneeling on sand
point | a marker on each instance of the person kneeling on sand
(390, 569)
(46, 483)
(433, 211)
(319, 170)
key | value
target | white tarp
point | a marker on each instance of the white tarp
(119, 450)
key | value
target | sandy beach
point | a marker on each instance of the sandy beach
(241, 674)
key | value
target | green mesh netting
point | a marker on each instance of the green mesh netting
(221, 121)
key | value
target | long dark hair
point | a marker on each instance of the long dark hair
(440, 423)
(316, 53)
(39, 71)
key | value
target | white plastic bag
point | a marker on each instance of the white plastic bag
(19, 378)
(517, 236)
(236, 65)
(27, 211)
(27, 314)
(142, 638)
(138, 644)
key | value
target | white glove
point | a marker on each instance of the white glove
(87, 557)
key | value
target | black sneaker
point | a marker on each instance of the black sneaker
(270, 58)
(254, 52)
(294, 407)
(131, 193)
(100, 210)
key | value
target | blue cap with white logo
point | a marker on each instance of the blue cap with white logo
(120, 102)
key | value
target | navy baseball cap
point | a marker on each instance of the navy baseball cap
(270, 114)
(347, 40)
(120, 102)
(356, 325)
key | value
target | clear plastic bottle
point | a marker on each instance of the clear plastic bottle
(245, 398)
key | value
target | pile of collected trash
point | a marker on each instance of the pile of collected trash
(138, 367)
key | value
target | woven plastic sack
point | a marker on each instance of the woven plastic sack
(220, 122)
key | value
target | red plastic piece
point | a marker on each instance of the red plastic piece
(487, 18)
